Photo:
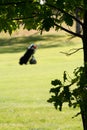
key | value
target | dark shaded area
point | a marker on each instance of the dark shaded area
(19, 44)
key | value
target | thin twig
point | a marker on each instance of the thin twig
(71, 51)
(76, 115)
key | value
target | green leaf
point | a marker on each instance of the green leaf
(47, 23)
(67, 93)
(53, 90)
(68, 20)
(56, 82)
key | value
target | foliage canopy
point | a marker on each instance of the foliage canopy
(33, 15)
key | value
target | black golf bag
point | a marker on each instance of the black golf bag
(28, 54)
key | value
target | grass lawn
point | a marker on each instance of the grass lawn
(24, 90)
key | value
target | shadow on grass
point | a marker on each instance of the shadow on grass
(19, 44)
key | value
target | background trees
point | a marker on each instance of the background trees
(33, 14)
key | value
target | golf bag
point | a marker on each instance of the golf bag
(28, 54)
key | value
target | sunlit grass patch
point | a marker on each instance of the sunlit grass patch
(24, 90)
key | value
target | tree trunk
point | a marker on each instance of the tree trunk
(78, 27)
(83, 104)
(83, 108)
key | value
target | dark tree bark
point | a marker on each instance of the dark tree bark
(83, 105)
(78, 27)
(85, 37)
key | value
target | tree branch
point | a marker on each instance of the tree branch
(14, 3)
(22, 18)
(68, 31)
(71, 51)
(64, 12)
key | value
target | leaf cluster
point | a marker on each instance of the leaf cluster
(33, 15)
(70, 90)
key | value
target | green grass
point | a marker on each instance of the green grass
(24, 90)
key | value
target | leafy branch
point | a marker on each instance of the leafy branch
(63, 91)
(64, 12)
(13, 3)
